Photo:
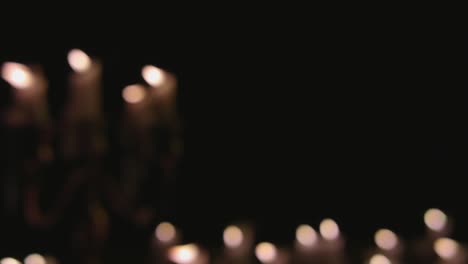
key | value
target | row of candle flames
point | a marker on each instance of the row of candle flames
(239, 238)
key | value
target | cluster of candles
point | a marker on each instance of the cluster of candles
(325, 246)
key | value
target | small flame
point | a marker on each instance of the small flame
(329, 229)
(435, 219)
(379, 259)
(184, 254)
(79, 61)
(233, 236)
(18, 75)
(386, 239)
(266, 252)
(306, 235)
(153, 75)
(9, 261)
(134, 93)
(446, 248)
(34, 259)
(165, 232)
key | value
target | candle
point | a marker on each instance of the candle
(449, 251)
(306, 245)
(9, 261)
(165, 236)
(188, 254)
(332, 242)
(379, 259)
(238, 243)
(35, 259)
(83, 117)
(268, 253)
(388, 244)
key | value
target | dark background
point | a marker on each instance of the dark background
(285, 124)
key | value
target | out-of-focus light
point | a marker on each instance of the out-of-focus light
(379, 259)
(446, 248)
(306, 235)
(266, 252)
(435, 219)
(34, 259)
(9, 261)
(78, 60)
(165, 232)
(153, 75)
(17, 75)
(184, 253)
(233, 236)
(329, 229)
(386, 239)
(134, 93)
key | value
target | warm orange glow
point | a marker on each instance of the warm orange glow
(153, 75)
(134, 93)
(165, 232)
(435, 219)
(184, 254)
(379, 259)
(446, 248)
(266, 252)
(386, 239)
(329, 229)
(34, 259)
(233, 236)
(306, 235)
(78, 60)
(18, 75)
(9, 261)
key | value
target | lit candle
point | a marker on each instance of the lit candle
(83, 116)
(35, 259)
(332, 241)
(437, 225)
(238, 244)
(188, 254)
(449, 251)
(306, 245)
(379, 259)
(9, 261)
(389, 244)
(165, 236)
(268, 253)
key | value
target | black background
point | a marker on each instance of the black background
(291, 123)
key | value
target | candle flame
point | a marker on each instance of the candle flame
(266, 252)
(79, 61)
(18, 75)
(446, 248)
(329, 229)
(34, 259)
(435, 219)
(153, 75)
(306, 235)
(134, 93)
(386, 239)
(184, 253)
(9, 261)
(379, 259)
(233, 236)
(165, 232)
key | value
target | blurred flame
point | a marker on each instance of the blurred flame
(184, 253)
(233, 236)
(386, 239)
(34, 259)
(78, 60)
(266, 252)
(18, 75)
(165, 232)
(329, 229)
(379, 259)
(435, 219)
(9, 261)
(306, 235)
(446, 248)
(153, 75)
(134, 93)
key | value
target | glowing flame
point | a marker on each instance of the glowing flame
(446, 248)
(386, 239)
(9, 261)
(329, 229)
(134, 93)
(233, 236)
(379, 259)
(435, 219)
(34, 259)
(153, 75)
(266, 252)
(165, 232)
(79, 61)
(184, 254)
(18, 75)
(306, 235)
